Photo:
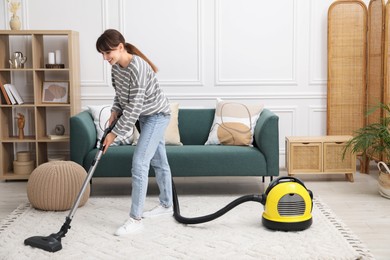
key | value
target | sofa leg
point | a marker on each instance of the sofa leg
(271, 178)
(90, 183)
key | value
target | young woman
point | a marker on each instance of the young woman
(138, 96)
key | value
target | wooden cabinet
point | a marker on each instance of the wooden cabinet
(43, 111)
(321, 154)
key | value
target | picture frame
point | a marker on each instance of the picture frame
(55, 92)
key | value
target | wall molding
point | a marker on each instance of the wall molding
(198, 81)
(219, 81)
(312, 80)
(247, 96)
(106, 71)
(313, 113)
(290, 111)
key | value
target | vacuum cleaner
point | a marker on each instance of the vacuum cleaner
(287, 206)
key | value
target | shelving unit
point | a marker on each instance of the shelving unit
(41, 117)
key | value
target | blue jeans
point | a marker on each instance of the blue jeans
(150, 150)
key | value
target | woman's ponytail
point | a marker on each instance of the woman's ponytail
(134, 50)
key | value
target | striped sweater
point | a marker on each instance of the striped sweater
(137, 93)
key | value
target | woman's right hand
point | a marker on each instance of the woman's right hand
(108, 141)
(112, 118)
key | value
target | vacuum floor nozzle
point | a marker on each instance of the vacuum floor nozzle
(49, 243)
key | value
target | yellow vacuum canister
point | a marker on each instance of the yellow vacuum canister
(288, 205)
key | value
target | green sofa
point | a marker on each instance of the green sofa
(193, 158)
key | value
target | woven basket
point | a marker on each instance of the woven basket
(347, 66)
(375, 51)
(384, 180)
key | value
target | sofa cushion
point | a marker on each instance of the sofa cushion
(187, 160)
(234, 123)
(195, 125)
(212, 160)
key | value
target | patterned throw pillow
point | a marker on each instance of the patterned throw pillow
(100, 115)
(234, 123)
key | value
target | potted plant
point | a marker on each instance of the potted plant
(373, 141)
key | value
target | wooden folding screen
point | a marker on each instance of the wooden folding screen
(385, 99)
(375, 61)
(386, 55)
(347, 66)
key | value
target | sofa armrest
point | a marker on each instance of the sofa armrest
(266, 137)
(82, 136)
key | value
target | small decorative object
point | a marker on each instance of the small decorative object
(13, 8)
(58, 57)
(51, 58)
(17, 60)
(55, 92)
(54, 60)
(23, 165)
(21, 121)
(59, 130)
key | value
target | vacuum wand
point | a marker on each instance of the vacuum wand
(52, 243)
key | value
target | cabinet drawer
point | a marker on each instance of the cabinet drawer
(305, 157)
(333, 158)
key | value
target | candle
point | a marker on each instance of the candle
(51, 58)
(58, 56)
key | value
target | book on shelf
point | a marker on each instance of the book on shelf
(5, 95)
(58, 137)
(15, 93)
(11, 97)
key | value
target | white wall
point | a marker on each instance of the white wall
(270, 52)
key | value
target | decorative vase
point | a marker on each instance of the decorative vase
(14, 23)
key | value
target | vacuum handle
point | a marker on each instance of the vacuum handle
(106, 132)
(283, 179)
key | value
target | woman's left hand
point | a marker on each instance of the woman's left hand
(108, 141)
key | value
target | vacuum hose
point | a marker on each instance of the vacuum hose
(210, 217)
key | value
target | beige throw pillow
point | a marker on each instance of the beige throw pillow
(234, 123)
(172, 134)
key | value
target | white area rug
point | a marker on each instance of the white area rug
(238, 234)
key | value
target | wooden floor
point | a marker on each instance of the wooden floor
(358, 204)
